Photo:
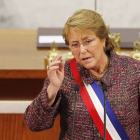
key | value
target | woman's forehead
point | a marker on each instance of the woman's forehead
(74, 33)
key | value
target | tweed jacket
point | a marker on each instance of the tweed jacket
(122, 79)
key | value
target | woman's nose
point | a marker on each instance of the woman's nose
(83, 48)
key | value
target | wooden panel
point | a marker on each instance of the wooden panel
(23, 74)
(13, 127)
(20, 89)
(18, 50)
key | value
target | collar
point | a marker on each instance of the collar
(111, 74)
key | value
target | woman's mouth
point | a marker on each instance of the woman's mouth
(86, 58)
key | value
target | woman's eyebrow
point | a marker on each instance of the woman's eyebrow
(87, 37)
(84, 38)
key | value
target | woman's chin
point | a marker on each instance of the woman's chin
(88, 66)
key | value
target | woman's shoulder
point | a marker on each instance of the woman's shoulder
(129, 61)
(126, 64)
(125, 60)
(131, 65)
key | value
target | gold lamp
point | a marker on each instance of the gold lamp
(116, 37)
(52, 54)
(69, 56)
(136, 48)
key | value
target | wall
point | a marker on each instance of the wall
(30, 14)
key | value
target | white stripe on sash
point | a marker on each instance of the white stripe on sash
(112, 131)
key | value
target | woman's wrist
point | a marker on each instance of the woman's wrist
(51, 94)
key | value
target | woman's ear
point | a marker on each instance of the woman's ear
(103, 41)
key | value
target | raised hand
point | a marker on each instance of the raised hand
(55, 74)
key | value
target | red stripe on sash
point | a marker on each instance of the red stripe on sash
(87, 100)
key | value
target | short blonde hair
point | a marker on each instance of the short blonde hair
(88, 20)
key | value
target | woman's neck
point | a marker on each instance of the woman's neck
(100, 70)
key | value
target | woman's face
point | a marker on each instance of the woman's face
(89, 55)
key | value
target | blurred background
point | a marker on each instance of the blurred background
(23, 58)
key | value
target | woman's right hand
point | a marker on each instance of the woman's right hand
(56, 75)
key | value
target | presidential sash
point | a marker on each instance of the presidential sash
(93, 98)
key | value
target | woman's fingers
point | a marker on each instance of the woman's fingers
(56, 63)
(58, 57)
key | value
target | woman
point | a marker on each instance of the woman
(95, 64)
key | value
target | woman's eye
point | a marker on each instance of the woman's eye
(88, 41)
(74, 45)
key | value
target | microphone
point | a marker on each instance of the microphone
(76, 89)
(104, 86)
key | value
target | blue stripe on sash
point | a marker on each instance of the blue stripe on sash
(110, 112)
